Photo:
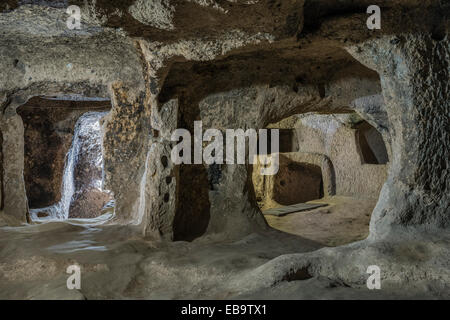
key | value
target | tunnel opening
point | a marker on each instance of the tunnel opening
(297, 182)
(193, 207)
(322, 190)
(287, 141)
(371, 147)
(63, 158)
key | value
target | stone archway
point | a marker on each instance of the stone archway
(302, 177)
(16, 210)
(415, 183)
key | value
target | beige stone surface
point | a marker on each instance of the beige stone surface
(344, 220)
(334, 136)
(234, 64)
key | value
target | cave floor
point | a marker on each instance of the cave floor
(116, 263)
(343, 220)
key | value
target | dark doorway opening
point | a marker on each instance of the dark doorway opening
(63, 169)
(297, 183)
(371, 145)
(193, 206)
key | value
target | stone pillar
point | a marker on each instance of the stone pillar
(183, 202)
(160, 183)
(14, 199)
(234, 211)
(160, 196)
(414, 72)
(125, 146)
(1, 171)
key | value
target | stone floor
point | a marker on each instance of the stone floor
(343, 221)
(116, 263)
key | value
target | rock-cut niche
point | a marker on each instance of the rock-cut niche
(370, 144)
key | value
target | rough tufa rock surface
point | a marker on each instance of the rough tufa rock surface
(244, 64)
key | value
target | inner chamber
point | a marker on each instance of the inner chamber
(63, 169)
(331, 170)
